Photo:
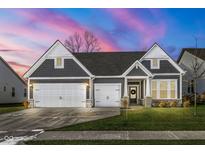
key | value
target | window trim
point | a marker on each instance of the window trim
(55, 63)
(168, 88)
(158, 64)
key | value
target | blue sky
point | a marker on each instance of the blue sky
(25, 34)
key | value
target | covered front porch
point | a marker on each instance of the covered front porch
(137, 90)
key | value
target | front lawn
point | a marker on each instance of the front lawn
(6, 108)
(147, 119)
(117, 142)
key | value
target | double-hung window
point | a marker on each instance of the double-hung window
(164, 89)
(154, 89)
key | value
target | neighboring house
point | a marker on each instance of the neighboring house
(186, 59)
(63, 79)
(12, 88)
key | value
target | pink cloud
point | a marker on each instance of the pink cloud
(19, 68)
(40, 26)
(62, 24)
(148, 32)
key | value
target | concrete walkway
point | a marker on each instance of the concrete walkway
(121, 135)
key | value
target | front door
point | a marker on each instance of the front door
(134, 95)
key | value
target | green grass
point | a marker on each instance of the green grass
(147, 119)
(116, 142)
(6, 108)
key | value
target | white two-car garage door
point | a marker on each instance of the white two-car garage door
(107, 95)
(59, 94)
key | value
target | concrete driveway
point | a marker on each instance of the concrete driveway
(28, 122)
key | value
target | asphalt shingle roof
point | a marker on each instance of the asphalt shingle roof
(108, 63)
(198, 52)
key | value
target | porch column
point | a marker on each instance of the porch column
(144, 83)
(180, 90)
(148, 98)
(125, 87)
(90, 88)
(148, 87)
(89, 101)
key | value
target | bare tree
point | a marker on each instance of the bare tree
(91, 42)
(198, 71)
(86, 43)
(74, 42)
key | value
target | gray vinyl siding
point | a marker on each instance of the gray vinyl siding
(187, 78)
(109, 80)
(71, 69)
(170, 77)
(136, 72)
(61, 81)
(165, 67)
(9, 80)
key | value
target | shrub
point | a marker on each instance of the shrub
(186, 104)
(26, 104)
(173, 104)
(162, 104)
(125, 102)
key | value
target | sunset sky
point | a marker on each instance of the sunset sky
(25, 34)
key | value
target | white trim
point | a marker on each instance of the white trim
(107, 84)
(125, 87)
(44, 57)
(90, 88)
(62, 63)
(28, 90)
(144, 85)
(180, 88)
(137, 77)
(53, 78)
(154, 45)
(168, 89)
(148, 87)
(137, 63)
(158, 64)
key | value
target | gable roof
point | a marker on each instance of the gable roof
(198, 52)
(9, 67)
(165, 55)
(108, 63)
(101, 63)
(56, 44)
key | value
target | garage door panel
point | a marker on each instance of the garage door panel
(107, 95)
(60, 95)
